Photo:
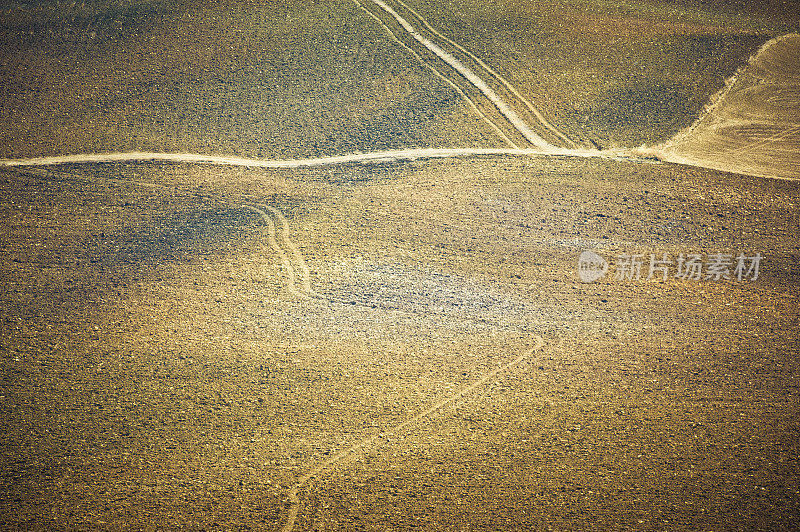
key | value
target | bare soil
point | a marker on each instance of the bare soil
(753, 125)
(158, 374)
(157, 370)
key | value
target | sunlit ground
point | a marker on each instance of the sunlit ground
(167, 362)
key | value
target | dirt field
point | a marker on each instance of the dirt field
(392, 345)
(753, 124)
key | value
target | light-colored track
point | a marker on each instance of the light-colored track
(508, 86)
(293, 261)
(480, 114)
(373, 442)
(502, 106)
(291, 283)
(305, 278)
(355, 158)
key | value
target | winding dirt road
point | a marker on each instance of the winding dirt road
(355, 158)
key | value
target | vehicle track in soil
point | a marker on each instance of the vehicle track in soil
(493, 74)
(374, 442)
(470, 103)
(290, 257)
(299, 285)
(298, 274)
(383, 156)
(467, 71)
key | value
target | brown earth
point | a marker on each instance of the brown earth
(753, 126)
(158, 371)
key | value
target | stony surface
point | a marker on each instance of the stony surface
(160, 369)
(158, 373)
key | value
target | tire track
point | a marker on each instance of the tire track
(376, 441)
(507, 113)
(292, 263)
(305, 280)
(441, 76)
(304, 291)
(505, 83)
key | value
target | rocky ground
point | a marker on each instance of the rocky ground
(157, 372)
(167, 363)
